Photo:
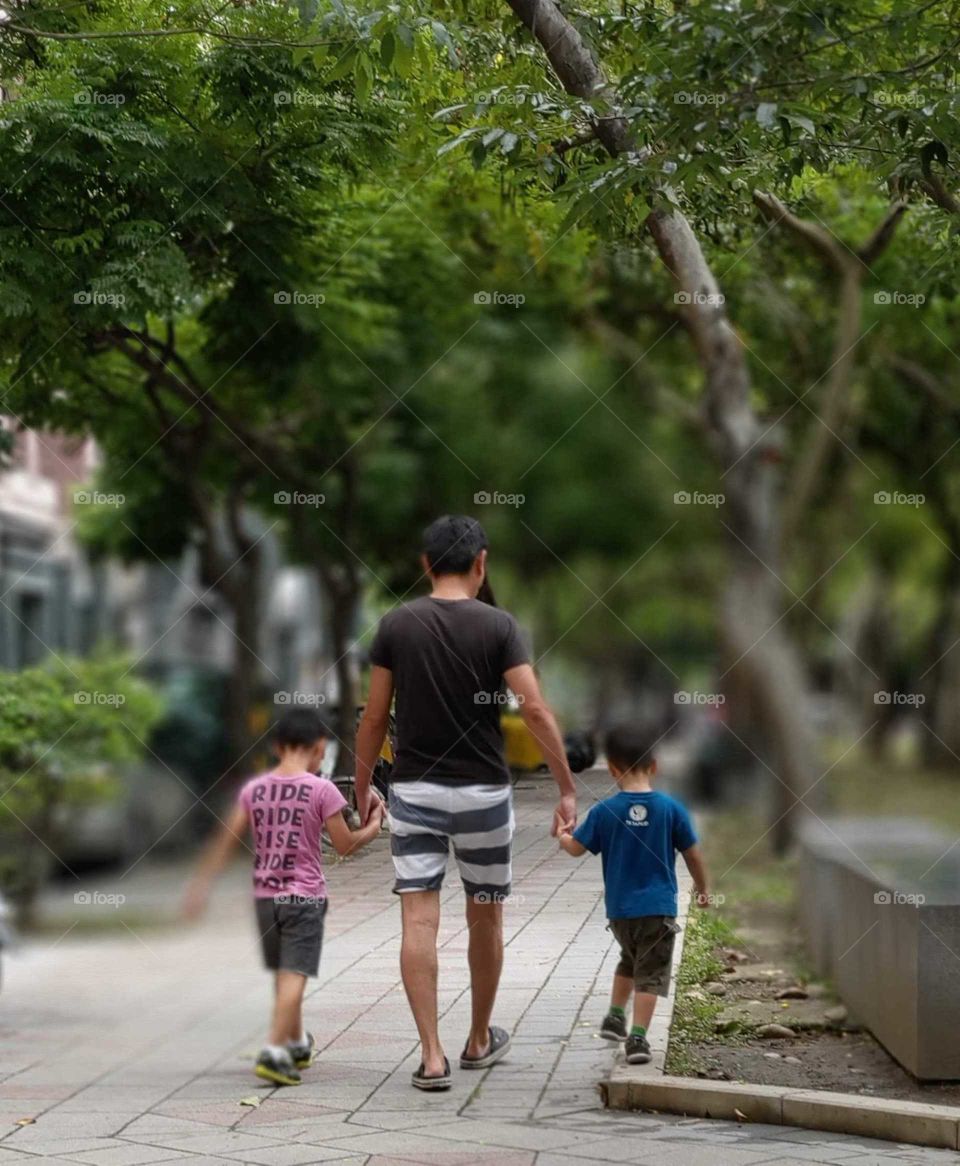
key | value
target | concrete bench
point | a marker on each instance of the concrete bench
(880, 905)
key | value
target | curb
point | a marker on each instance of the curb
(840, 1113)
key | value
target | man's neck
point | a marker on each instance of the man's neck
(453, 587)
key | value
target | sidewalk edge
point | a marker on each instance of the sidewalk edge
(841, 1113)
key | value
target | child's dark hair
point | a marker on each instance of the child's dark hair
(298, 729)
(630, 746)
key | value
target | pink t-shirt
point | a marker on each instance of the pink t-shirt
(286, 818)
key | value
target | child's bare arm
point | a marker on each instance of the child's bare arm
(213, 859)
(693, 858)
(345, 840)
(571, 845)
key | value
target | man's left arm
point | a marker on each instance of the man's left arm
(370, 735)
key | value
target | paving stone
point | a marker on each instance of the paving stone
(291, 1155)
(130, 1155)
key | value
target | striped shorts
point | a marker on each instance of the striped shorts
(426, 816)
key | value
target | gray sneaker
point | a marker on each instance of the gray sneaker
(637, 1050)
(303, 1054)
(614, 1027)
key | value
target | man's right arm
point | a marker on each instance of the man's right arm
(539, 719)
(370, 734)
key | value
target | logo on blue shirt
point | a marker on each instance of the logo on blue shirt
(637, 815)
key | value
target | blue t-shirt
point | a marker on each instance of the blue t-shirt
(638, 836)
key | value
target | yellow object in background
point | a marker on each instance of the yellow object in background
(520, 749)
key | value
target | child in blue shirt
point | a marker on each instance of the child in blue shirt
(637, 833)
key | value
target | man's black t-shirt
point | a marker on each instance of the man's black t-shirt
(448, 657)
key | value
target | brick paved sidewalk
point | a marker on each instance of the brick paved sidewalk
(136, 1046)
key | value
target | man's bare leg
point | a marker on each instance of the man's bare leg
(485, 954)
(418, 967)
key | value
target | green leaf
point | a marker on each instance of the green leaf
(343, 65)
(462, 137)
(363, 78)
(403, 51)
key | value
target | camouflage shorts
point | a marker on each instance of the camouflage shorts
(646, 951)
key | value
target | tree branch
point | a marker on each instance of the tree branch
(934, 187)
(577, 71)
(812, 235)
(852, 267)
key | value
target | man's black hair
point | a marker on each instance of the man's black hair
(452, 542)
(299, 728)
(631, 746)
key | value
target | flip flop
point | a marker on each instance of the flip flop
(499, 1047)
(420, 1080)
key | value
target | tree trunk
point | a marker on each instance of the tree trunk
(244, 665)
(344, 603)
(751, 610)
(941, 682)
(341, 589)
(753, 635)
(231, 563)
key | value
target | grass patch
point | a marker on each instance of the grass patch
(694, 1015)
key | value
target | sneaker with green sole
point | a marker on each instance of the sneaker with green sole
(277, 1068)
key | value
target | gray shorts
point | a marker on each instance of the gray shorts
(426, 817)
(646, 951)
(291, 933)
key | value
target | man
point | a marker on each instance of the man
(447, 656)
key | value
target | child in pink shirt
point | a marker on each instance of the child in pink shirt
(286, 810)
